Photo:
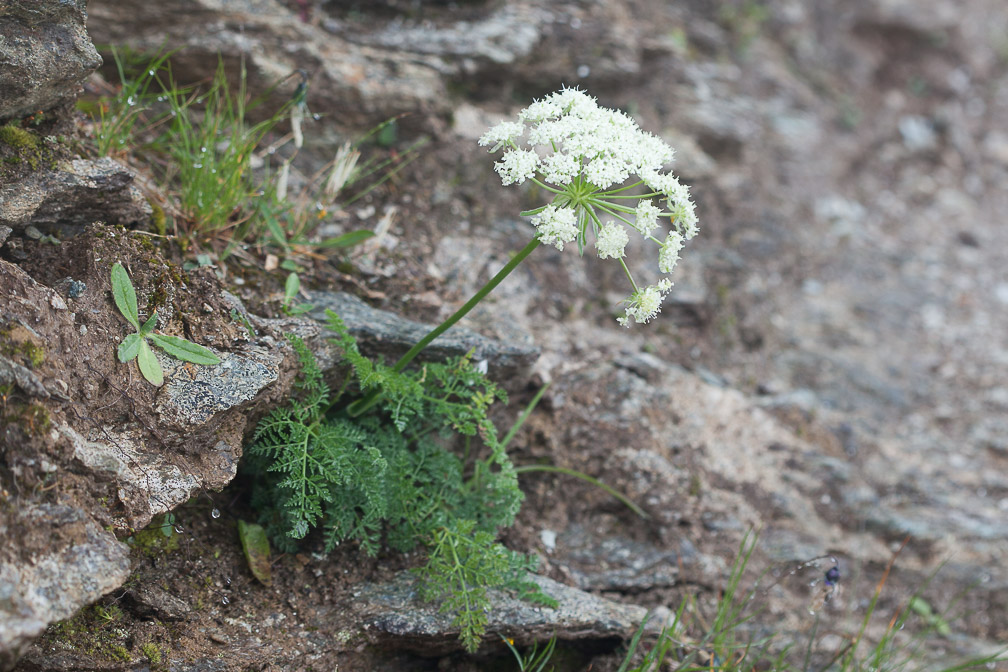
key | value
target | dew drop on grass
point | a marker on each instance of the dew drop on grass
(316, 116)
(225, 600)
(131, 101)
(215, 514)
(150, 72)
(179, 529)
(227, 580)
(202, 150)
(197, 165)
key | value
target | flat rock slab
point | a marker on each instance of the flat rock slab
(388, 335)
(396, 616)
(78, 192)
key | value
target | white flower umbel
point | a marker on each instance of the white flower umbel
(596, 162)
(556, 226)
(611, 240)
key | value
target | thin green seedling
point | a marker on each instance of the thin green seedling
(655, 657)
(292, 287)
(116, 117)
(535, 660)
(210, 144)
(136, 346)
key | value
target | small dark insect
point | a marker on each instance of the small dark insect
(832, 577)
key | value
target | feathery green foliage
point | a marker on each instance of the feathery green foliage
(390, 477)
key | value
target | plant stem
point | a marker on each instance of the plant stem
(361, 405)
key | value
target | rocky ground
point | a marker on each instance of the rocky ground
(830, 369)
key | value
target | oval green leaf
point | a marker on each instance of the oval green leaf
(149, 366)
(187, 351)
(125, 295)
(129, 348)
(255, 543)
(291, 287)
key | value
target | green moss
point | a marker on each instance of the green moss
(18, 138)
(156, 539)
(89, 632)
(16, 344)
(152, 652)
(32, 418)
(159, 222)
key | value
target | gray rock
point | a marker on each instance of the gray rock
(503, 37)
(614, 563)
(62, 202)
(388, 335)
(395, 615)
(194, 394)
(61, 560)
(152, 601)
(46, 54)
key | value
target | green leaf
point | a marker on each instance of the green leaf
(124, 295)
(291, 287)
(187, 351)
(347, 239)
(149, 366)
(257, 550)
(130, 347)
(149, 325)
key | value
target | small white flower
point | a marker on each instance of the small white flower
(502, 134)
(669, 253)
(605, 171)
(517, 165)
(611, 241)
(647, 217)
(645, 303)
(556, 226)
(560, 168)
(684, 216)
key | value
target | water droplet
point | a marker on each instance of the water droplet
(150, 72)
(213, 171)
(179, 529)
(160, 99)
(271, 150)
(316, 116)
(197, 165)
(215, 513)
(202, 150)
(227, 580)
(131, 101)
(225, 600)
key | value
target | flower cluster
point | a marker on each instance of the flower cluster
(585, 155)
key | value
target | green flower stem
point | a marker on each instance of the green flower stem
(361, 405)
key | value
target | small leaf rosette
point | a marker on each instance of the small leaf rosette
(586, 156)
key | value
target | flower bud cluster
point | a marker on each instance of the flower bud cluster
(585, 155)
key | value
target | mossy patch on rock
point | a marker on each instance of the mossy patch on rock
(23, 151)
